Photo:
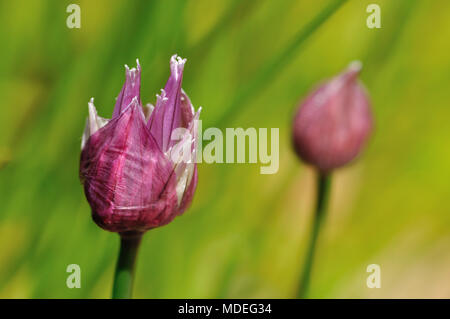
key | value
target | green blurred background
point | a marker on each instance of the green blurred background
(249, 63)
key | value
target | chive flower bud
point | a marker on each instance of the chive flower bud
(136, 175)
(334, 122)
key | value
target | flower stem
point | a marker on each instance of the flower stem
(323, 191)
(124, 275)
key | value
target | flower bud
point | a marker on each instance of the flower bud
(135, 177)
(333, 122)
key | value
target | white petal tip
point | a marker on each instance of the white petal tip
(355, 66)
(177, 60)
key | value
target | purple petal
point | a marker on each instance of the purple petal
(128, 181)
(186, 168)
(168, 114)
(189, 193)
(130, 89)
(334, 122)
(187, 110)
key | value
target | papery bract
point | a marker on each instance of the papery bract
(333, 122)
(133, 176)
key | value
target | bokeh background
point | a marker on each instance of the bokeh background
(249, 63)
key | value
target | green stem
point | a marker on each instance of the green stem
(323, 191)
(124, 275)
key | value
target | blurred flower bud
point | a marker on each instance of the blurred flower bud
(135, 174)
(333, 122)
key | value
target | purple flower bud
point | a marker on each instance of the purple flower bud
(136, 174)
(333, 122)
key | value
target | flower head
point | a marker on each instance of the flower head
(333, 122)
(137, 173)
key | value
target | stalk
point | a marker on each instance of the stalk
(323, 192)
(124, 275)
